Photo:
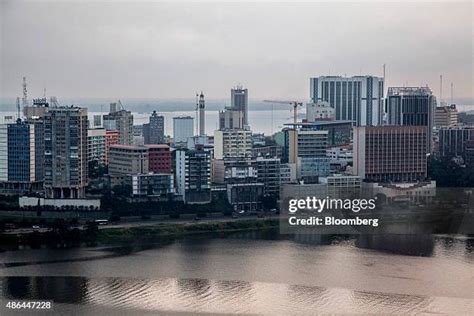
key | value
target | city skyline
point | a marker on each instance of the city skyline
(155, 50)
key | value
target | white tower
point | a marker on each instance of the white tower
(202, 115)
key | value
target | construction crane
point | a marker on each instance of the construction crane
(295, 105)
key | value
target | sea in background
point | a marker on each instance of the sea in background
(264, 117)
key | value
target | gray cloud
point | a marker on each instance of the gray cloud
(153, 50)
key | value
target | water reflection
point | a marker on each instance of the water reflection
(248, 273)
(413, 245)
(215, 296)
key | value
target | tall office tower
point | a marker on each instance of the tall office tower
(183, 128)
(390, 153)
(446, 116)
(232, 143)
(21, 152)
(127, 160)
(358, 98)
(231, 119)
(269, 174)
(453, 140)
(412, 106)
(111, 138)
(159, 157)
(96, 146)
(65, 134)
(193, 175)
(3, 152)
(38, 125)
(97, 121)
(202, 115)
(120, 120)
(240, 101)
(154, 132)
(309, 153)
(309, 143)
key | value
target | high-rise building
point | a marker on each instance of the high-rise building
(21, 157)
(97, 121)
(390, 153)
(183, 128)
(3, 152)
(239, 100)
(193, 175)
(309, 152)
(159, 158)
(453, 140)
(268, 173)
(412, 106)
(65, 134)
(446, 116)
(358, 99)
(232, 143)
(111, 138)
(154, 132)
(120, 120)
(309, 143)
(126, 160)
(231, 119)
(21, 152)
(96, 146)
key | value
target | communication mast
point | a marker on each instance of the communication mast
(25, 93)
(18, 108)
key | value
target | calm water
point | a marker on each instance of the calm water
(249, 274)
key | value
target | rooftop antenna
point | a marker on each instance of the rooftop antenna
(452, 93)
(18, 108)
(384, 84)
(440, 89)
(197, 115)
(44, 92)
(25, 93)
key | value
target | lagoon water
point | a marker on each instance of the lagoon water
(247, 273)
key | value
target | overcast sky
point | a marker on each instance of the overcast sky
(170, 50)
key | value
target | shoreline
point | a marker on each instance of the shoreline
(108, 236)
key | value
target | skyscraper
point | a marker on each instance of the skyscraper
(453, 140)
(65, 134)
(232, 143)
(358, 98)
(390, 153)
(411, 106)
(193, 175)
(154, 132)
(182, 129)
(240, 101)
(120, 120)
